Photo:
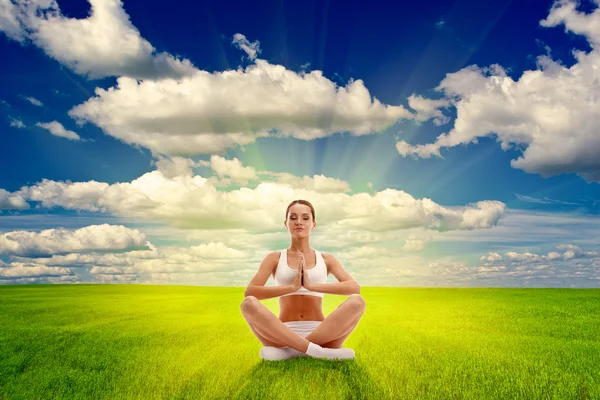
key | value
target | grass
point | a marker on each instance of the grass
(182, 342)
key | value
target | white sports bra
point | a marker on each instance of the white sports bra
(285, 275)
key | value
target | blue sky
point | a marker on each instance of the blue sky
(151, 144)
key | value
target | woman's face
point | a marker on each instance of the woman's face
(299, 220)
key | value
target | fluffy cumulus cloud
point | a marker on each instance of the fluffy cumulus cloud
(57, 129)
(391, 267)
(380, 264)
(232, 169)
(12, 201)
(395, 209)
(198, 258)
(171, 167)
(491, 257)
(166, 264)
(194, 202)
(104, 44)
(171, 108)
(427, 109)
(229, 172)
(551, 114)
(236, 226)
(17, 271)
(205, 113)
(60, 241)
(227, 257)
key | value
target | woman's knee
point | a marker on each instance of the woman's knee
(357, 302)
(249, 304)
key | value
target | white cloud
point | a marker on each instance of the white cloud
(316, 183)
(251, 48)
(60, 241)
(9, 23)
(575, 267)
(550, 114)
(528, 227)
(63, 279)
(416, 242)
(21, 270)
(34, 101)
(491, 257)
(171, 259)
(17, 123)
(57, 129)
(496, 268)
(451, 269)
(564, 12)
(205, 113)
(373, 258)
(83, 259)
(394, 209)
(230, 168)
(193, 202)
(172, 167)
(193, 112)
(362, 252)
(523, 257)
(571, 252)
(12, 201)
(232, 171)
(427, 109)
(104, 44)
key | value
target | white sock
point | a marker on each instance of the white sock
(296, 353)
(314, 350)
(279, 353)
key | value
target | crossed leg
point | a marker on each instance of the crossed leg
(268, 328)
(338, 325)
(332, 332)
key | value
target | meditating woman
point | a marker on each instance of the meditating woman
(301, 328)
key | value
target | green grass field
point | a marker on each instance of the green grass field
(177, 342)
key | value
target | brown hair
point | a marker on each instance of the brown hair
(305, 202)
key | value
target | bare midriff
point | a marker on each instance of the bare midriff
(301, 308)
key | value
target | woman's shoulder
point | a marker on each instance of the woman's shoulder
(274, 254)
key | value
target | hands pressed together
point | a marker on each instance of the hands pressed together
(302, 278)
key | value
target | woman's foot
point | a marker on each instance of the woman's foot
(270, 353)
(314, 350)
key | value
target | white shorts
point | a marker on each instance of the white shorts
(303, 328)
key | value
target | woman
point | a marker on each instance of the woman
(301, 328)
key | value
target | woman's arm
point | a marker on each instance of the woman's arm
(257, 287)
(267, 292)
(347, 285)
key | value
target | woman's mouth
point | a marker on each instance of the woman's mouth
(298, 229)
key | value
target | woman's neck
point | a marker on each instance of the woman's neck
(300, 246)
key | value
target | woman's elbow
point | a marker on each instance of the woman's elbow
(248, 291)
